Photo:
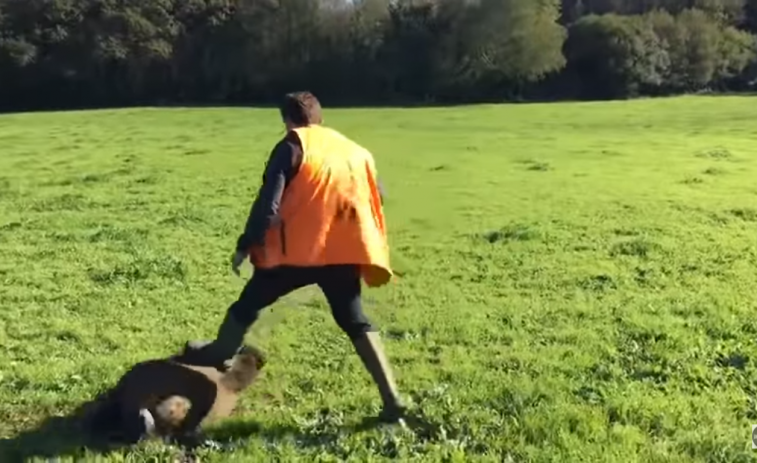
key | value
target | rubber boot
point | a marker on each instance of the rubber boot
(371, 352)
(219, 352)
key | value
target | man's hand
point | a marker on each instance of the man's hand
(237, 260)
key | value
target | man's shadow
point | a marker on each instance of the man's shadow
(229, 434)
(59, 436)
(69, 436)
(65, 436)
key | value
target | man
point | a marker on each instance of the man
(318, 219)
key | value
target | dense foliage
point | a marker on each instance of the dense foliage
(74, 53)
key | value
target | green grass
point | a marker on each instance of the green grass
(580, 279)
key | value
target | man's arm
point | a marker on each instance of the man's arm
(282, 165)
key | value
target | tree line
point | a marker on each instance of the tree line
(84, 53)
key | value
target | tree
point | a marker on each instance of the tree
(73, 53)
(750, 16)
(616, 56)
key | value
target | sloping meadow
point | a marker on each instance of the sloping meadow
(577, 279)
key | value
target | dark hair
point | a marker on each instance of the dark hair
(301, 108)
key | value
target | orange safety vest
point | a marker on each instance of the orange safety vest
(331, 211)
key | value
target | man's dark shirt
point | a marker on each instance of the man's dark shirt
(283, 164)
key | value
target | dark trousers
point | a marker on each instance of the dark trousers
(340, 284)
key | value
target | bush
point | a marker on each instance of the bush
(615, 56)
(620, 56)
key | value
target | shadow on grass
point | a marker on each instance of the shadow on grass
(231, 434)
(423, 428)
(66, 436)
(60, 436)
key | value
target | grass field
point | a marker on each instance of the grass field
(580, 279)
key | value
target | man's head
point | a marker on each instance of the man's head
(300, 109)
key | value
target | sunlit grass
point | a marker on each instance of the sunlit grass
(579, 278)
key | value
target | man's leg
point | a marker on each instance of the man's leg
(264, 288)
(342, 287)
